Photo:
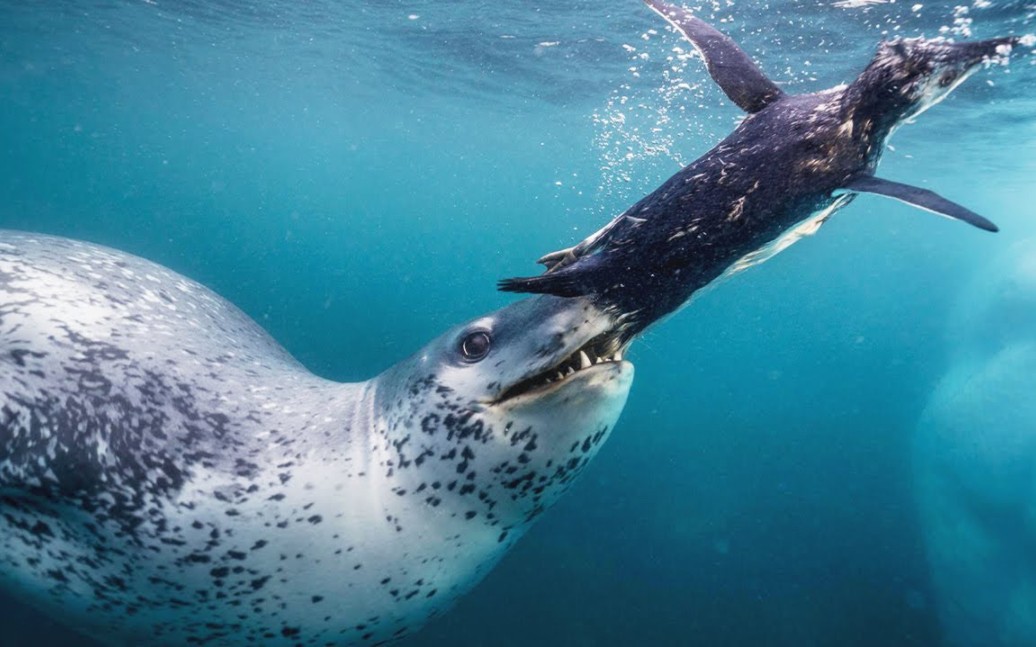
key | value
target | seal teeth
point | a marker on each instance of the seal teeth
(584, 361)
(596, 351)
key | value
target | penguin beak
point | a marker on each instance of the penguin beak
(969, 54)
(952, 63)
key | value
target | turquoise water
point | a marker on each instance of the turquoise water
(356, 176)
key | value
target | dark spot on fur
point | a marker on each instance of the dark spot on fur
(259, 582)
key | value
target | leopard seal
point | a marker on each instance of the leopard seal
(789, 165)
(169, 475)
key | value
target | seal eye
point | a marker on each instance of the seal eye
(946, 79)
(475, 345)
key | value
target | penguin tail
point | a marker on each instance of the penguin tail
(560, 284)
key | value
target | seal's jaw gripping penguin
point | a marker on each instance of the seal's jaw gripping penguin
(521, 397)
(789, 165)
(169, 475)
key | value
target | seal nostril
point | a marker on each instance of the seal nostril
(475, 346)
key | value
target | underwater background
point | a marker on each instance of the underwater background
(357, 175)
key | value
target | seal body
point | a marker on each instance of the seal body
(170, 475)
(792, 162)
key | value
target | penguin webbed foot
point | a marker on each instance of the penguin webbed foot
(559, 259)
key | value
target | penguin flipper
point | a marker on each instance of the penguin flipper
(920, 198)
(731, 68)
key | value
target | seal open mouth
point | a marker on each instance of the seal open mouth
(603, 349)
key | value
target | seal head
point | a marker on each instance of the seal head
(520, 397)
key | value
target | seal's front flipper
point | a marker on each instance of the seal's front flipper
(921, 198)
(731, 69)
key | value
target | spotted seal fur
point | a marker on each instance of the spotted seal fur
(169, 475)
